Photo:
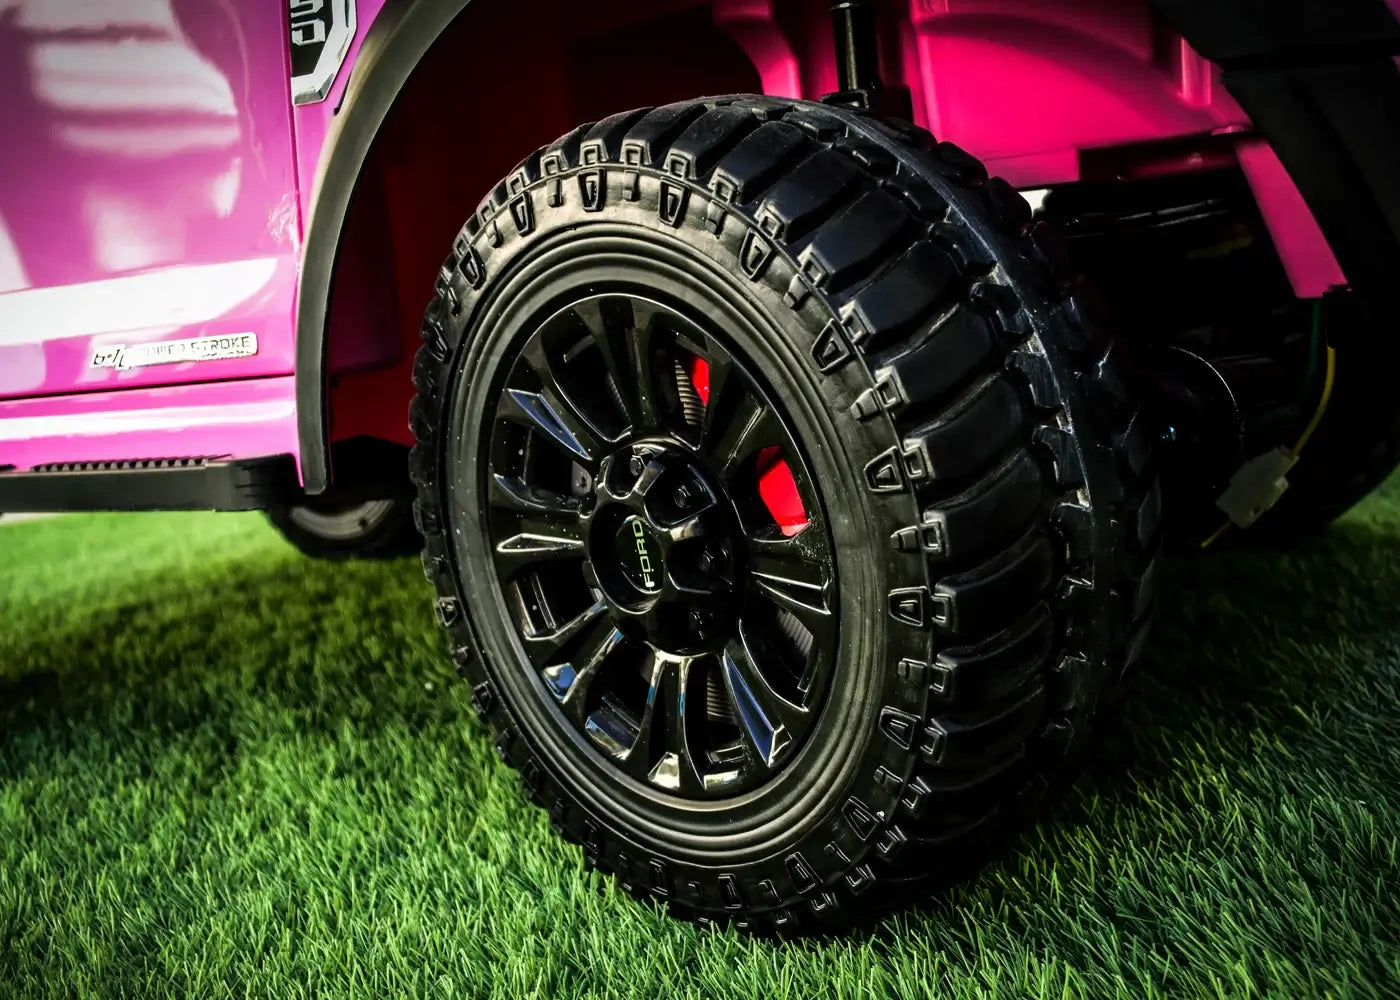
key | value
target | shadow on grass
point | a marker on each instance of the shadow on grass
(327, 644)
(1244, 638)
(1252, 639)
(1235, 639)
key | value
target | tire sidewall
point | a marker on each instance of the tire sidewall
(796, 823)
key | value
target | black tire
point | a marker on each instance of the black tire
(361, 529)
(993, 515)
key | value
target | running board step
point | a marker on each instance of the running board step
(151, 484)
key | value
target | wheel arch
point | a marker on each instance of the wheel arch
(399, 37)
(410, 55)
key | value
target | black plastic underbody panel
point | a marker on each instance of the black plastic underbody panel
(153, 484)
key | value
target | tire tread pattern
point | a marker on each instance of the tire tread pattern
(1033, 504)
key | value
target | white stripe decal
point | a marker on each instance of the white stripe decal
(99, 424)
(172, 298)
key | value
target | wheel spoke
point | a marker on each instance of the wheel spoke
(515, 496)
(677, 769)
(664, 721)
(544, 646)
(637, 760)
(518, 553)
(795, 573)
(542, 355)
(570, 682)
(547, 525)
(765, 719)
(611, 730)
(737, 425)
(726, 387)
(548, 413)
(625, 334)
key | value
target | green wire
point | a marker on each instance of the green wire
(1313, 344)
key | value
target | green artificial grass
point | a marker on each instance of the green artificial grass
(227, 770)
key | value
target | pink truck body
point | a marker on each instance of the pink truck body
(159, 183)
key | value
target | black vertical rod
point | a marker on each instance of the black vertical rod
(857, 57)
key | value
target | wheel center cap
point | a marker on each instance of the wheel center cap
(639, 555)
(660, 549)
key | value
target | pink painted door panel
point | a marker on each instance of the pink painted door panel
(147, 194)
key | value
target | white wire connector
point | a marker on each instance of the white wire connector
(1256, 486)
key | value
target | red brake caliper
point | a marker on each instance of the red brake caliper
(776, 486)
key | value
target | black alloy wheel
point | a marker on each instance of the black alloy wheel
(684, 629)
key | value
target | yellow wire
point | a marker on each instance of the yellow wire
(1307, 434)
(1215, 535)
(1327, 382)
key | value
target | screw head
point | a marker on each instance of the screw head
(699, 621)
(713, 559)
(636, 465)
(683, 497)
